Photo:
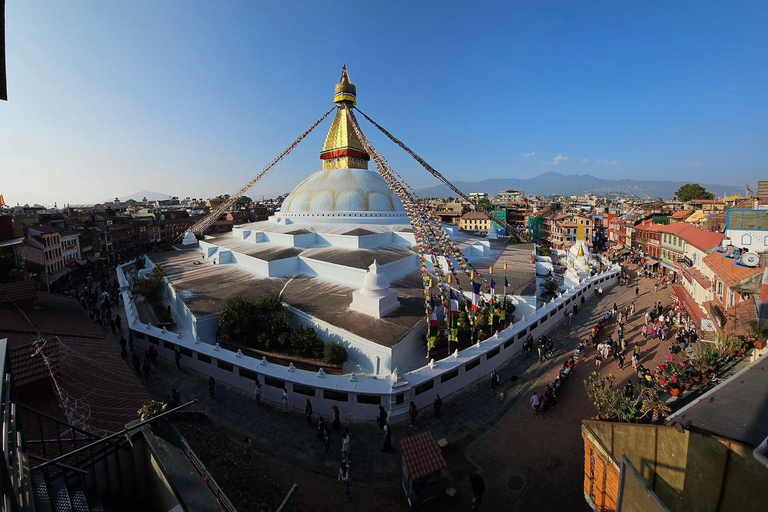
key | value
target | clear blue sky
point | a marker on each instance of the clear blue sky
(193, 98)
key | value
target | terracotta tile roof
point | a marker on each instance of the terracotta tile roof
(698, 276)
(17, 291)
(475, 215)
(729, 271)
(681, 214)
(422, 455)
(704, 240)
(737, 317)
(90, 372)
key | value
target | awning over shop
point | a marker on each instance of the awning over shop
(59, 274)
(650, 262)
(688, 304)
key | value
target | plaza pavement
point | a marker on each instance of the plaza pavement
(526, 461)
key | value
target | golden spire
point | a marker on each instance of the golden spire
(342, 148)
(345, 91)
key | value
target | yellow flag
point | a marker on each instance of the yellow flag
(2, 202)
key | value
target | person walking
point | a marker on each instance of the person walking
(257, 391)
(382, 419)
(211, 385)
(600, 292)
(123, 344)
(345, 478)
(438, 405)
(637, 292)
(130, 339)
(137, 363)
(386, 441)
(412, 412)
(247, 448)
(656, 288)
(345, 445)
(542, 347)
(629, 390)
(535, 403)
(620, 355)
(336, 421)
(478, 488)
(308, 412)
(147, 370)
(119, 324)
(598, 359)
(528, 345)
(177, 358)
(494, 380)
(285, 400)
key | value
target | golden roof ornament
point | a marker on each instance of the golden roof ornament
(345, 91)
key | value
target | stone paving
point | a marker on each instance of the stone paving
(288, 439)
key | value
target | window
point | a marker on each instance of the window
(400, 399)
(449, 375)
(227, 367)
(746, 239)
(472, 364)
(509, 343)
(335, 395)
(720, 288)
(275, 383)
(303, 390)
(203, 358)
(423, 388)
(522, 334)
(248, 374)
(368, 399)
(493, 353)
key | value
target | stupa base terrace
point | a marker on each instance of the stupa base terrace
(317, 270)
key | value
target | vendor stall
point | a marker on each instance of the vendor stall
(422, 463)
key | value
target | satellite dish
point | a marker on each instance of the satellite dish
(750, 259)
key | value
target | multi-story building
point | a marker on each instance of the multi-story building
(563, 229)
(683, 246)
(731, 303)
(70, 246)
(50, 243)
(475, 221)
(647, 240)
(510, 196)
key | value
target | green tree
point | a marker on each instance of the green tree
(693, 191)
(484, 204)
(335, 354)
(152, 287)
(238, 318)
(257, 322)
(545, 250)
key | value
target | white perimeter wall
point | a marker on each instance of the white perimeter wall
(359, 397)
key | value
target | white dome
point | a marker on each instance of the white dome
(343, 194)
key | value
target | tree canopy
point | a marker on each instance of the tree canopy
(484, 204)
(693, 191)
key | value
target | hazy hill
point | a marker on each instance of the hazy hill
(151, 196)
(562, 184)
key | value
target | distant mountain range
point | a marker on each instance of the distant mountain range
(151, 196)
(570, 184)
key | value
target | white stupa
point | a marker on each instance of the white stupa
(577, 260)
(375, 298)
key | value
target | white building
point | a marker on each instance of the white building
(511, 196)
(70, 246)
(747, 229)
